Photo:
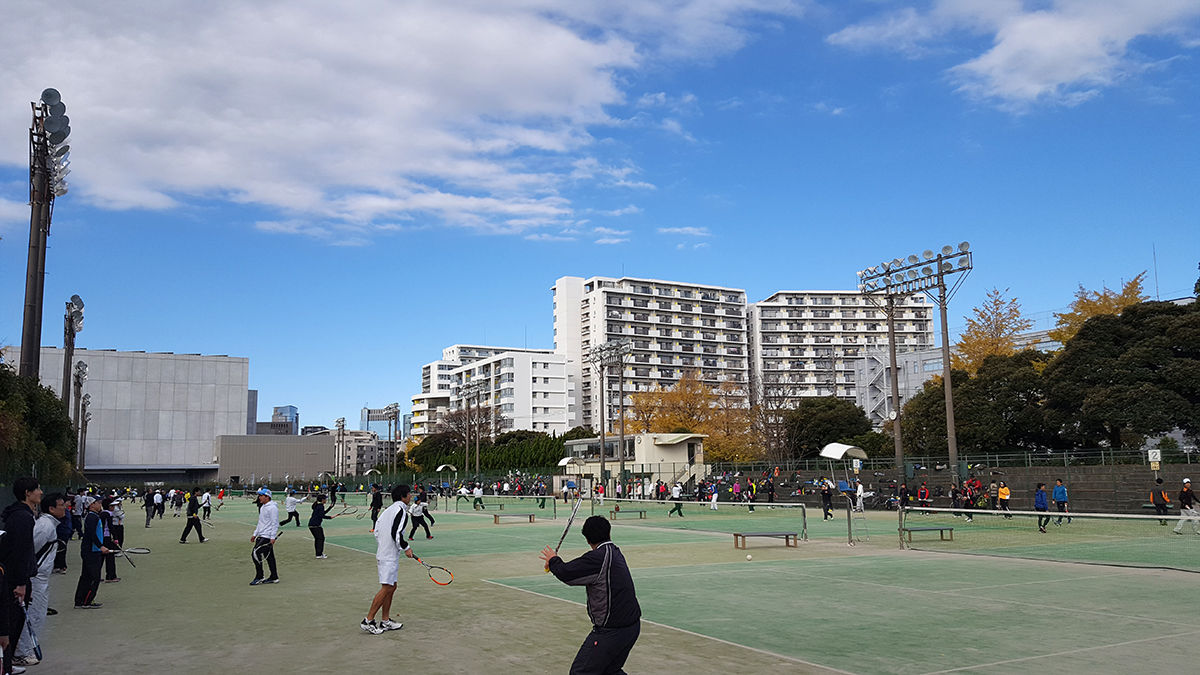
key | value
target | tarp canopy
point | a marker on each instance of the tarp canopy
(569, 460)
(843, 451)
(447, 467)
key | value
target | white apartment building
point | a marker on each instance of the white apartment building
(529, 386)
(810, 343)
(674, 327)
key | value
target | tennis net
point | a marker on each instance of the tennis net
(729, 517)
(1169, 542)
(544, 506)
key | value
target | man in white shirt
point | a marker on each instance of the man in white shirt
(264, 538)
(206, 504)
(159, 507)
(290, 505)
(478, 494)
(677, 497)
(389, 540)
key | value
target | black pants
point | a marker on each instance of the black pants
(110, 562)
(292, 515)
(826, 509)
(192, 523)
(207, 512)
(1162, 510)
(269, 558)
(605, 650)
(419, 521)
(1004, 506)
(318, 534)
(1043, 521)
(1062, 508)
(16, 615)
(678, 508)
(374, 516)
(89, 579)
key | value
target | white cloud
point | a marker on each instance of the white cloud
(347, 114)
(13, 212)
(589, 168)
(542, 236)
(1058, 52)
(610, 231)
(610, 240)
(826, 108)
(690, 231)
(673, 126)
(625, 211)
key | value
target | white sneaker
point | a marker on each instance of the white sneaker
(17, 670)
(370, 627)
(322, 557)
(390, 625)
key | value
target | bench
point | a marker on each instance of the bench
(940, 530)
(497, 516)
(612, 515)
(1151, 506)
(789, 538)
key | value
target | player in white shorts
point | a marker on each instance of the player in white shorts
(389, 539)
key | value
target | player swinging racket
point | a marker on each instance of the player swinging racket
(264, 538)
(389, 539)
(611, 600)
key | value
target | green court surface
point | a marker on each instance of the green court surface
(823, 607)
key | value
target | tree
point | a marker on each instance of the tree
(1088, 304)
(579, 433)
(1196, 288)
(991, 332)
(818, 421)
(1122, 378)
(729, 427)
(36, 434)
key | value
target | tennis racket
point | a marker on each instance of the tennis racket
(437, 574)
(126, 552)
(37, 647)
(574, 512)
(260, 551)
(361, 516)
(346, 511)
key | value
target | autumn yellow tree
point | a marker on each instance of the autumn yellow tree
(694, 406)
(992, 331)
(1097, 303)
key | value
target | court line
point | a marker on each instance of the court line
(1066, 653)
(688, 632)
(961, 593)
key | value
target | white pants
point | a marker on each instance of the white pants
(1190, 516)
(713, 502)
(35, 614)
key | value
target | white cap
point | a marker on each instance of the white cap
(1187, 480)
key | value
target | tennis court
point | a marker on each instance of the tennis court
(820, 608)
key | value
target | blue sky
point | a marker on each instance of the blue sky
(339, 195)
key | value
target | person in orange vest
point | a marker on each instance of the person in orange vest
(1160, 500)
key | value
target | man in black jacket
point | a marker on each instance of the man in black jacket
(611, 600)
(16, 556)
(91, 550)
(193, 519)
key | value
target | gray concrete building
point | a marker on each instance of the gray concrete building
(254, 459)
(154, 415)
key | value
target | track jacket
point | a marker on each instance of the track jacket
(268, 521)
(389, 532)
(16, 547)
(611, 600)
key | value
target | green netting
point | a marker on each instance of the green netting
(1171, 542)
(729, 517)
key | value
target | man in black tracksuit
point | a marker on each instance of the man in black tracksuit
(376, 505)
(17, 559)
(91, 550)
(611, 601)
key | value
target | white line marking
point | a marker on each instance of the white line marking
(688, 632)
(1066, 653)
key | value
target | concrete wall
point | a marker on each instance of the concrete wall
(301, 457)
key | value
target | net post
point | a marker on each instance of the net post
(900, 526)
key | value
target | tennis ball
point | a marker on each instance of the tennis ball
(749, 557)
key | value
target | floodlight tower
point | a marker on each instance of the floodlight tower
(901, 278)
(340, 453)
(48, 162)
(81, 375)
(72, 325)
(603, 356)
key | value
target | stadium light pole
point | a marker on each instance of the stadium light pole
(340, 454)
(72, 325)
(900, 278)
(602, 356)
(81, 370)
(48, 162)
(468, 391)
(86, 416)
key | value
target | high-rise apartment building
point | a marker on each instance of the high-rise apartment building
(674, 327)
(810, 343)
(528, 387)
